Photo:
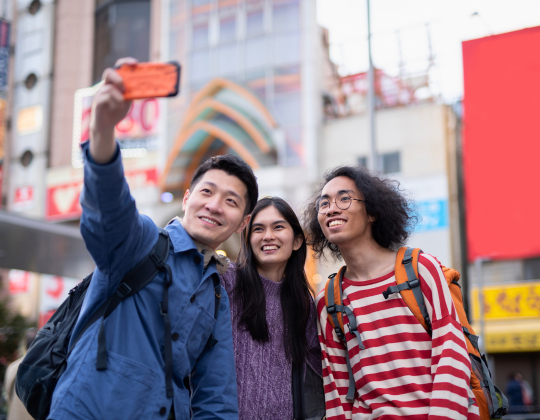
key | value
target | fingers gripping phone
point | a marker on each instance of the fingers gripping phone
(150, 80)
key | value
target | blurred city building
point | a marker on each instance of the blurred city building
(501, 173)
(256, 81)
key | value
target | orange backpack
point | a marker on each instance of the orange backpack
(491, 401)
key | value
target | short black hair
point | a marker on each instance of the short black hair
(394, 213)
(235, 166)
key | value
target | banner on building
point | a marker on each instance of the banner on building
(24, 198)
(63, 197)
(517, 300)
(137, 133)
(5, 28)
(501, 145)
(54, 290)
(19, 282)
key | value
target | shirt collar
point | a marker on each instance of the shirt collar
(222, 262)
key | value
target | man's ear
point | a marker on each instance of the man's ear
(184, 201)
(244, 223)
(297, 243)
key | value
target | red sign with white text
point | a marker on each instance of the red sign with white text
(54, 290)
(24, 197)
(140, 122)
(63, 200)
(19, 282)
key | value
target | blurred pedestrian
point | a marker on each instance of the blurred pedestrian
(17, 411)
(273, 312)
(399, 371)
(169, 346)
(518, 394)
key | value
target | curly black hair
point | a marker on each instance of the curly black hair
(394, 213)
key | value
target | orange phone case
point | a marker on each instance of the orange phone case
(150, 80)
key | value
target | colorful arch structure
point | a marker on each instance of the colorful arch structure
(223, 117)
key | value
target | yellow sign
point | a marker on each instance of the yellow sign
(512, 341)
(30, 119)
(520, 300)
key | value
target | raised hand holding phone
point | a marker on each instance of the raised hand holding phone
(108, 108)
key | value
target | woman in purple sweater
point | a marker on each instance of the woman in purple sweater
(273, 312)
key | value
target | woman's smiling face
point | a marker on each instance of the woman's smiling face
(272, 238)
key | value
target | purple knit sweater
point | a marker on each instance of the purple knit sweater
(263, 372)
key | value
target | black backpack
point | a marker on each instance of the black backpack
(308, 394)
(46, 359)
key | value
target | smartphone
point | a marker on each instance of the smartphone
(150, 80)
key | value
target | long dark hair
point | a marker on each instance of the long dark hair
(296, 294)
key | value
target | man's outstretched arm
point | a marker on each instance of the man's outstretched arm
(115, 234)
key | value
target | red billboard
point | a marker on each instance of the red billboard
(501, 145)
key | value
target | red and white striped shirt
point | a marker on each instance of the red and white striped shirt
(403, 372)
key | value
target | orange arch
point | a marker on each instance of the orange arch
(215, 85)
(233, 114)
(211, 130)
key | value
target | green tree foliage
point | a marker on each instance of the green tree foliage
(12, 330)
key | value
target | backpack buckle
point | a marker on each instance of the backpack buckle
(413, 283)
(339, 333)
(157, 259)
(123, 290)
(331, 309)
(407, 260)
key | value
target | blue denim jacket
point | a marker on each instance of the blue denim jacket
(133, 385)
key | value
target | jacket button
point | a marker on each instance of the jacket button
(163, 411)
(197, 260)
(192, 299)
(175, 336)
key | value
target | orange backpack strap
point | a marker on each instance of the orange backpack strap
(408, 285)
(333, 297)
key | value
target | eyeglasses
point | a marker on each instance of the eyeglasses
(343, 201)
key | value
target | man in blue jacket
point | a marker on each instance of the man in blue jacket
(223, 192)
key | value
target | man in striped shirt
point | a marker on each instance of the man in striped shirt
(403, 372)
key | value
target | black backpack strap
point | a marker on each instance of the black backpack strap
(298, 391)
(133, 282)
(217, 292)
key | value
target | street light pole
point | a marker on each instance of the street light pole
(373, 158)
(478, 265)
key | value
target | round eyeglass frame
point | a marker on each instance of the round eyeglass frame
(336, 201)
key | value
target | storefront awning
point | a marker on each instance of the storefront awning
(512, 335)
(33, 245)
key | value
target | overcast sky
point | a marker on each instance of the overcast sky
(403, 22)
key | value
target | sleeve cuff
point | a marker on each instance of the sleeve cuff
(85, 146)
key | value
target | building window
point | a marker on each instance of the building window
(256, 55)
(532, 268)
(227, 29)
(391, 163)
(286, 15)
(200, 35)
(255, 23)
(362, 161)
(122, 30)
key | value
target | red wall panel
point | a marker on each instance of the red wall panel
(501, 144)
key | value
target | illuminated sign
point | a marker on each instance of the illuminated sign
(24, 197)
(137, 132)
(63, 198)
(510, 341)
(30, 120)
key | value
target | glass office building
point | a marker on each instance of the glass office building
(261, 45)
